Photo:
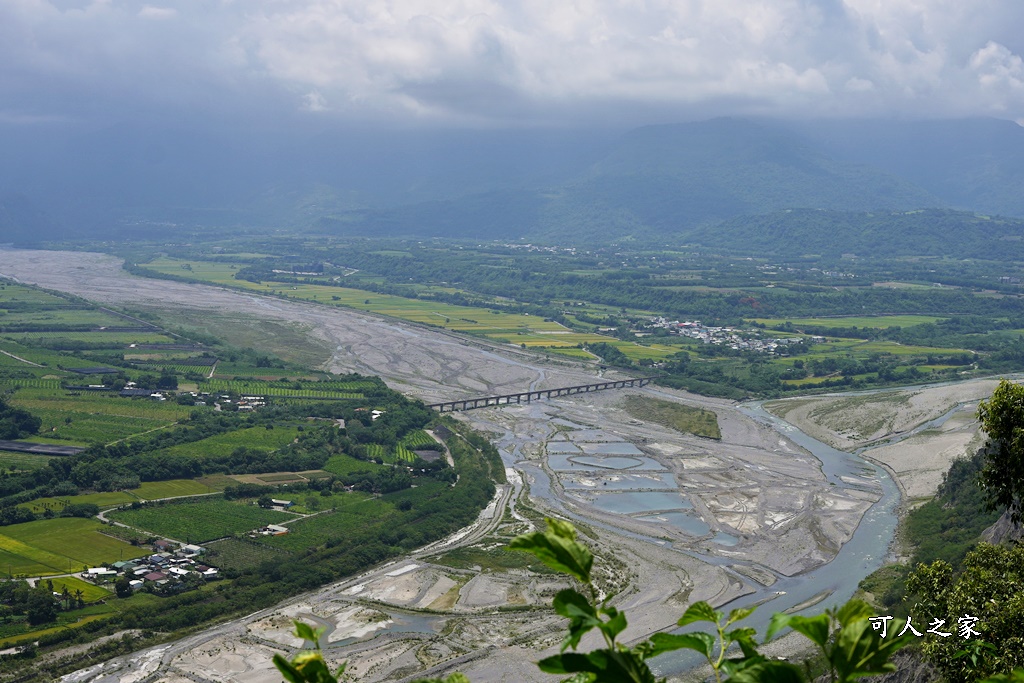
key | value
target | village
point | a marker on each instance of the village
(731, 337)
(173, 568)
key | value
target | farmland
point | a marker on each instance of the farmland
(150, 490)
(200, 521)
(57, 546)
(236, 554)
(140, 447)
(225, 444)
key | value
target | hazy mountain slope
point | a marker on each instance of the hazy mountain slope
(22, 222)
(667, 178)
(123, 181)
(975, 164)
(662, 179)
(932, 232)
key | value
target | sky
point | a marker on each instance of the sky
(491, 63)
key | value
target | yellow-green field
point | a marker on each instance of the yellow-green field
(59, 546)
(876, 321)
(90, 592)
(91, 417)
(149, 490)
(864, 348)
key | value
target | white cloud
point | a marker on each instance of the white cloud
(519, 60)
(315, 102)
(150, 12)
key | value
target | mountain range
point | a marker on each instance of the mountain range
(681, 181)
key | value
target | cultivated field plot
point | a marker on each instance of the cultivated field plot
(90, 592)
(58, 546)
(150, 490)
(22, 462)
(876, 321)
(90, 417)
(14, 296)
(351, 511)
(200, 521)
(309, 389)
(115, 340)
(104, 499)
(259, 438)
(346, 464)
(864, 348)
(234, 554)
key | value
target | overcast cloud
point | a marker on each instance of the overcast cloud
(486, 62)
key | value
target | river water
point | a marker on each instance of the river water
(832, 584)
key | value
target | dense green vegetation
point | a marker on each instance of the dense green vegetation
(953, 576)
(680, 417)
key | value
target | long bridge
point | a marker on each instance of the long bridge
(528, 396)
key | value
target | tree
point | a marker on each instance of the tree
(41, 607)
(123, 588)
(1002, 418)
(988, 589)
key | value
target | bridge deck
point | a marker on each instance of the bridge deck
(528, 396)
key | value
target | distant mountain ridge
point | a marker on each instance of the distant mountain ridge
(664, 180)
(657, 180)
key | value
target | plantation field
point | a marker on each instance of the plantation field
(62, 317)
(637, 352)
(225, 444)
(152, 490)
(572, 352)
(199, 521)
(240, 555)
(865, 348)
(352, 510)
(249, 388)
(11, 292)
(417, 438)
(39, 356)
(115, 340)
(58, 546)
(103, 500)
(346, 464)
(91, 417)
(22, 462)
(90, 592)
(149, 490)
(875, 321)
(404, 454)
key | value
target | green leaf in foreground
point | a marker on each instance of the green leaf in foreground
(558, 548)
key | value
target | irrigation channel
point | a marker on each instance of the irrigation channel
(809, 592)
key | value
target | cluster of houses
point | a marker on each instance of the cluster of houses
(170, 570)
(728, 336)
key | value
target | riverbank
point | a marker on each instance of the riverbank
(915, 433)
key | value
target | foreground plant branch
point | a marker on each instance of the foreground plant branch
(844, 637)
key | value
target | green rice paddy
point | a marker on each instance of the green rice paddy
(58, 546)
